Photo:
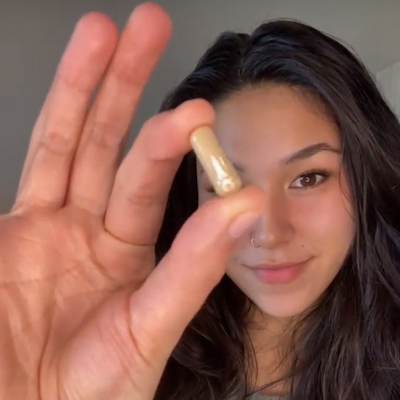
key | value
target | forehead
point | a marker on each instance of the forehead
(270, 123)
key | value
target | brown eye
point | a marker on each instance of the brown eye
(309, 180)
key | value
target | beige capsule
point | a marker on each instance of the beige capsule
(218, 168)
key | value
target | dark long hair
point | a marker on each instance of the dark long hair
(348, 346)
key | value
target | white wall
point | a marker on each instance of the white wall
(389, 82)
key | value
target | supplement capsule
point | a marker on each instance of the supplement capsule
(218, 168)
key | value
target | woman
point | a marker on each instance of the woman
(309, 306)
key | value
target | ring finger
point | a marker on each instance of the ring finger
(57, 131)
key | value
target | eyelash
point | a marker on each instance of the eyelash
(325, 174)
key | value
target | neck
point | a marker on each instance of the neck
(270, 338)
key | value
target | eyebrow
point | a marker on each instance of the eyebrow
(310, 151)
(299, 155)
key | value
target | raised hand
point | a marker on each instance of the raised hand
(84, 314)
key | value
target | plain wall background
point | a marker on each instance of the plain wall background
(33, 34)
(389, 82)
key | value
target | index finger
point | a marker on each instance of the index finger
(139, 196)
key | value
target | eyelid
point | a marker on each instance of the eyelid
(325, 173)
(317, 171)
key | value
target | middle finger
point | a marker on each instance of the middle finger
(142, 42)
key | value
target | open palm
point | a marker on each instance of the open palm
(84, 314)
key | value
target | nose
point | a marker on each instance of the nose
(274, 227)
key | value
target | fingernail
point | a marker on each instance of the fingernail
(242, 224)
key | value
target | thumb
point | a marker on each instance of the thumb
(175, 291)
(123, 351)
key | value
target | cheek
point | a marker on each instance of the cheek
(241, 248)
(323, 220)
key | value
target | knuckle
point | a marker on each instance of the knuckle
(108, 134)
(80, 84)
(141, 196)
(56, 143)
(131, 71)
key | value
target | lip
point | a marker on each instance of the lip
(282, 273)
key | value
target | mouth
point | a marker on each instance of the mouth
(282, 273)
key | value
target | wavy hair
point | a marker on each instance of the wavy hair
(348, 346)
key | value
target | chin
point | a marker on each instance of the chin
(281, 310)
(285, 304)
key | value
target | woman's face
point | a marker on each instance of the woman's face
(283, 142)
